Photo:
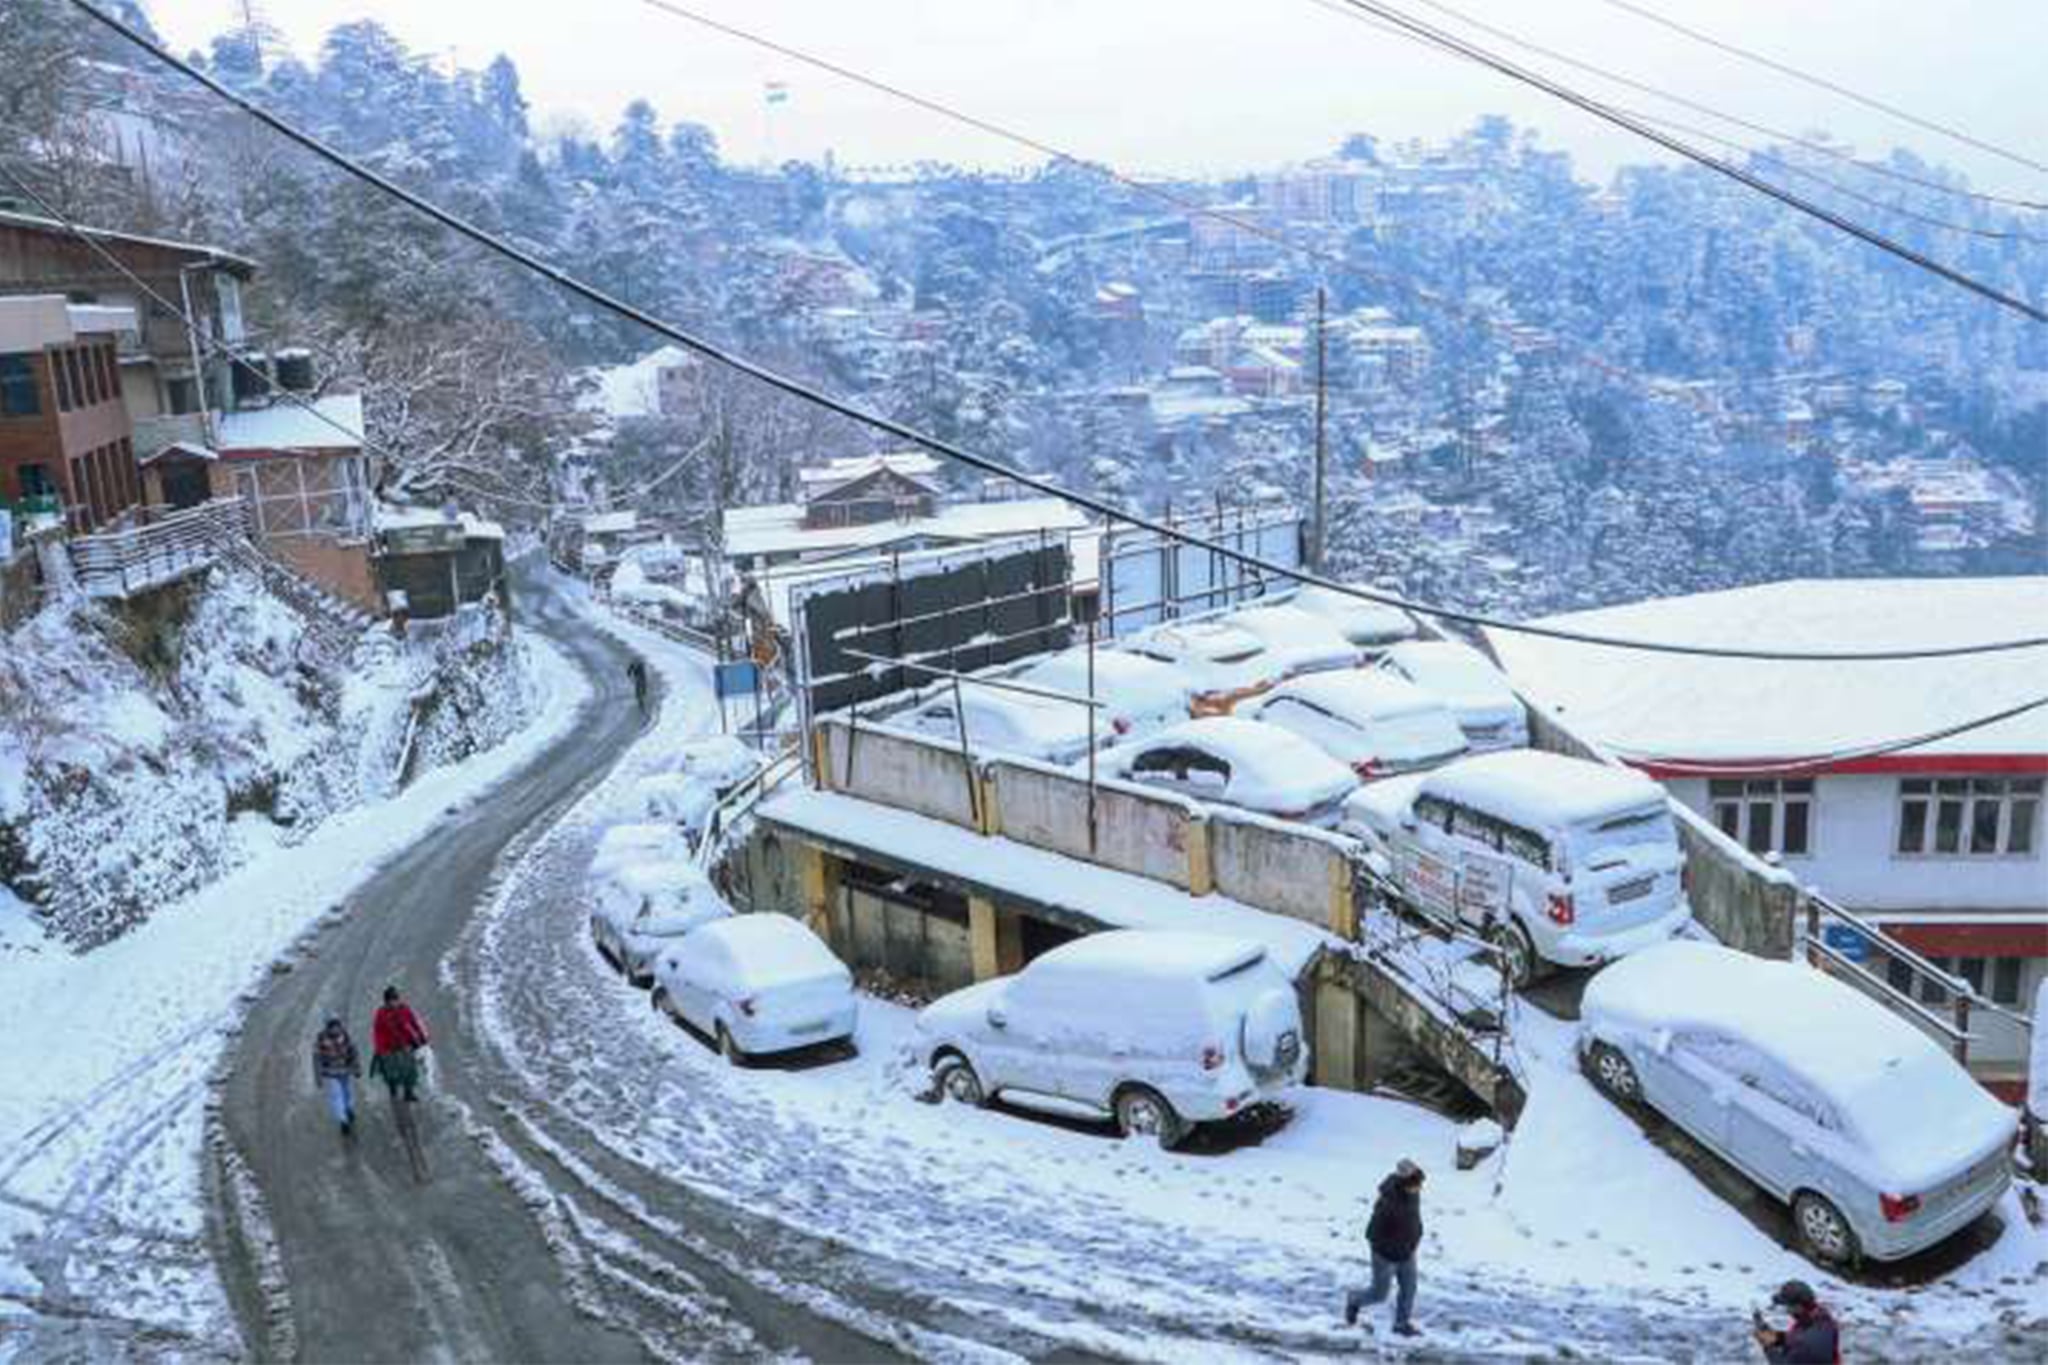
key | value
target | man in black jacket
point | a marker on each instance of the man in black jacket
(1394, 1234)
(1812, 1338)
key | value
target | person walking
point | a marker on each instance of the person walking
(396, 1034)
(636, 673)
(336, 1065)
(1811, 1338)
(1394, 1235)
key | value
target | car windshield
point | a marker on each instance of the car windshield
(1418, 734)
(1614, 836)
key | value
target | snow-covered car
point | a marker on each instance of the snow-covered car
(1138, 695)
(1001, 720)
(1559, 859)
(703, 772)
(757, 984)
(638, 842)
(1296, 641)
(1880, 1143)
(1222, 664)
(1479, 694)
(1371, 626)
(1157, 1030)
(1374, 723)
(640, 908)
(1237, 762)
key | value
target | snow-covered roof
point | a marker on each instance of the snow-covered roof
(779, 528)
(1036, 877)
(240, 265)
(1675, 706)
(1299, 639)
(1148, 955)
(814, 481)
(625, 391)
(610, 523)
(389, 517)
(331, 423)
(1540, 789)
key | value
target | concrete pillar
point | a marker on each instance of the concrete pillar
(1201, 870)
(1337, 1043)
(1343, 900)
(995, 939)
(821, 756)
(985, 801)
(817, 882)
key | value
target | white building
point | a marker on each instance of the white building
(1939, 842)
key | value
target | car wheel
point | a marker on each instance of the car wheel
(728, 1049)
(958, 1083)
(1145, 1113)
(1824, 1234)
(1614, 1074)
(1513, 942)
(658, 999)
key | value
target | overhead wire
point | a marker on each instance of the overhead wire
(1692, 767)
(1823, 83)
(1536, 80)
(796, 388)
(1658, 92)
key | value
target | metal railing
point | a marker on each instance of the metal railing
(735, 805)
(167, 547)
(1965, 1001)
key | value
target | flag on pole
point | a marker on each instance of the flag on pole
(777, 92)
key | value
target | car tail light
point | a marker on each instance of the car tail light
(747, 1006)
(1212, 1057)
(1685, 878)
(1366, 768)
(1560, 909)
(1897, 1208)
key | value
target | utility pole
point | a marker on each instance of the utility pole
(1319, 525)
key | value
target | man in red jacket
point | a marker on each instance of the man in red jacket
(395, 1035)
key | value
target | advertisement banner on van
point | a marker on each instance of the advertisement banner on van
(1483, 886)
(1429, 881)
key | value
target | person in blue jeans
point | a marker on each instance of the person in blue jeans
(335, 1068)
(1394, 1234)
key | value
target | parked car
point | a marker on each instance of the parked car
(1371, 626)
(1222, 664)
(1880, 1143)
(637, 843)
(757, 984)
(1139, 695)
(1296, 641)
(1374, 723)
(1559, 859)
(1009, 722)
(1156, 1030)
(705, 771)
(1479, 694)
(640, 908)
(1237, 762)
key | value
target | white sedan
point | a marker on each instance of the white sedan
(1222, 664)
(642, 907)
(1298, 641)
(1478, 693)
(1240, 763)
(1371, 626)
(1375, 724)
(1139, 696)
(757, 984)
(1001, 720)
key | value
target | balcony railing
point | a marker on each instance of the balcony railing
(166, 548)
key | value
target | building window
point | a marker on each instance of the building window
(1996, 978)
(1969, 816)
(18, 397)
(1765, 814)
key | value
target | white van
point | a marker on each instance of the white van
(1562, 860)
(1158, 1030)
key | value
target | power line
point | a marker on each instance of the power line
(1452, 43)
(1658, 92)
(796, 388)
(1823, 83)
(1682, 767)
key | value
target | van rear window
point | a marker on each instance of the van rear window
(1230, 973)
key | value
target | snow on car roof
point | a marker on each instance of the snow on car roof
(1854, 1051)
(1199, 640)
(1160, 954)
(1289, 627)
(1354, 611)
(1446, 663)
(1355, 693)
(661, 874)
(767, 947)
(1540, 789)
(1248, 744)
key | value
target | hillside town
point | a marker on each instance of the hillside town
(1416, 751)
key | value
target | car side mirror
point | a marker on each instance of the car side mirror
(996, 1018)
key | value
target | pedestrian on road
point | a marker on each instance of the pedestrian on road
(1394, 1235)
(395, 1036)
(1811, 1338)
(636, 672)
(335, 1068)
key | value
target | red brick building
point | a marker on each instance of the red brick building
(64, 430)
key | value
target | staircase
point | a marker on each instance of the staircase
(338, 628)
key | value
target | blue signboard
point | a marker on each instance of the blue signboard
(740, 678)
(1847, 940)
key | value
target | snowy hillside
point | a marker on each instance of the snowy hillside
(147, 749)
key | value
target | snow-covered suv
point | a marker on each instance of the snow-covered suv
(1158, 1030)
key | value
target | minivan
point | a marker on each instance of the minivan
(1156, 1030)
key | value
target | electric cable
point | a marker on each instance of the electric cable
(1452, 43)
(1707, 767)
(1823, 83)
(795, 388)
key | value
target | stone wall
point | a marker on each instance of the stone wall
(1286, 869)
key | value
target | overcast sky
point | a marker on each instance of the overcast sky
(1213, 85)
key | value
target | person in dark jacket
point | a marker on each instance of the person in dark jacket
(395, 1035)
(1394, 1234)
(335, 1067)
(1812, 1338)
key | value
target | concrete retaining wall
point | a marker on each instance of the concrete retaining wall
(1136, 832)
(898, 770)
(1285, 869)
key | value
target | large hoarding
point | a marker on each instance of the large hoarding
(1148, 578)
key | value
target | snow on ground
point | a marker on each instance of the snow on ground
(103, 1105)
(1580, 1234)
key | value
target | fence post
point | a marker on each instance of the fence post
(1962, 1017)
(1812, 931)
